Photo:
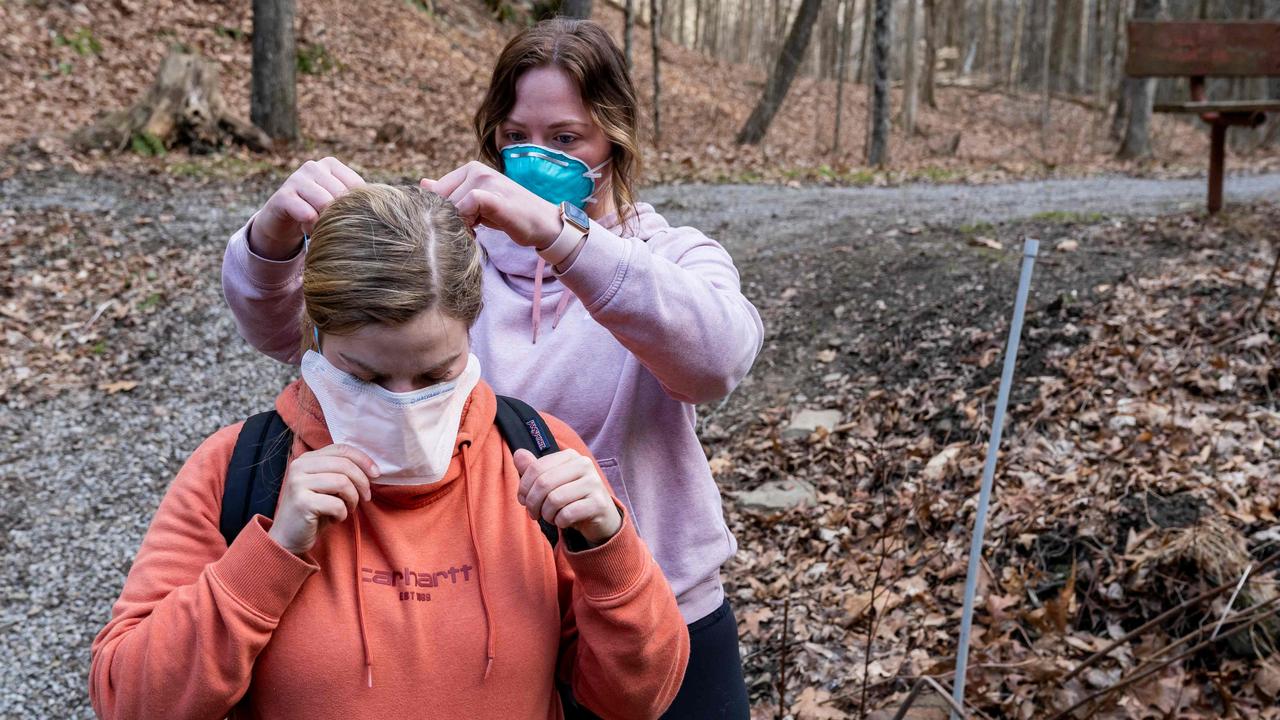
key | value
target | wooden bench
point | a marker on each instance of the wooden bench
(1202, 49)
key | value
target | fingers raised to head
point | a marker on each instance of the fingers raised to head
(450, 182)
(349, 177)
(315, 195)
(298, 209)
(478, 206)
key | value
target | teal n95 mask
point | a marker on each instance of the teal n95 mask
(552, 175)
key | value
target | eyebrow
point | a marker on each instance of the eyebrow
(552, 126)
(372, 371)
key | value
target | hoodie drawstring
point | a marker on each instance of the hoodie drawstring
(364, 631)
(490, 625)
(537, 301)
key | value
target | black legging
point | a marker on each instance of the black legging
(713, 685)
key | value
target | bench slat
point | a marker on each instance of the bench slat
(1221, 49)
(1219, 106)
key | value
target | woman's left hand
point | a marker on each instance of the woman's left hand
(564, 489)
(485, 196)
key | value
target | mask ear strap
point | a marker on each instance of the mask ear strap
(594, 173)
(316, 333)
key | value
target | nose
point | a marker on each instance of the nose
(401, 385)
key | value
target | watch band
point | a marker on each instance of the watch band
(571, 235)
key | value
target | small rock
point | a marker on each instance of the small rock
(808, 420)
(778, 495)
(1119, 422)
(1068, 246)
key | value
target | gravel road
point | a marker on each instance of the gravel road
(83, 473)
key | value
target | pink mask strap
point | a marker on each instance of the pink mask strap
(564, 303)
(537, 298)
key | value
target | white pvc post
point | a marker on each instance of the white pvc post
(1029, 249)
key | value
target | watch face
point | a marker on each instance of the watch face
(576, 215)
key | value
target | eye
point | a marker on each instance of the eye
(515, 137)
(565, 139)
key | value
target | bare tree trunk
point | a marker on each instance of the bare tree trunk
(1104, 60)
(273, 103)
(1045, 85)
(878, 118)
(580, 9)
(713, 30)
(784, 72)
(655, 30)
(697, 25)
(1137, 136)
(868, 22)
(1121, 116)
(1082, 49)
(911, 73)
(930, 53)
(779, 18)
(846, 24)
(1015, 57)
(990, 53)
(628, 25)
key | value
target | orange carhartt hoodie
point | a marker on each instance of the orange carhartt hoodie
(441, 600)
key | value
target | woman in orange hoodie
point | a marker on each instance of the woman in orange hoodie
(404, 573)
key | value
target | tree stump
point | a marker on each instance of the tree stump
(182, 108)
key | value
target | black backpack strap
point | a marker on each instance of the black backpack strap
(522, 427)
(255, 472)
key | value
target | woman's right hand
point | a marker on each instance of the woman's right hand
(321, 487)
(277, 229)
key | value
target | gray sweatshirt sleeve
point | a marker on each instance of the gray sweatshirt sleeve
(675, 302)
(265, 298)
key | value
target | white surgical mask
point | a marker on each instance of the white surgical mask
(410, 435)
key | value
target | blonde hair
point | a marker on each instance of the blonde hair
(383, 254)
(585, 51)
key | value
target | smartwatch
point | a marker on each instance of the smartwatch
(576, 227)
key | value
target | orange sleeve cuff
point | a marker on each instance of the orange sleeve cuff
(259, 573)
(613, 569)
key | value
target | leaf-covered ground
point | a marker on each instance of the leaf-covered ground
(1138, 470)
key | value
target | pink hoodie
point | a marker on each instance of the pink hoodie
(654, 322)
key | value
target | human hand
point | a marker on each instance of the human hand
(321, 487)
(278, 227)
(485, 196)
(564, 489)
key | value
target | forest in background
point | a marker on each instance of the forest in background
(401, 101)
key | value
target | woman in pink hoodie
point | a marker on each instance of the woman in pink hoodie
(585, 288)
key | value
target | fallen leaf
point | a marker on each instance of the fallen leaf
(810, 706)
(1267, 680)
(112, 388)
(936, 469)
